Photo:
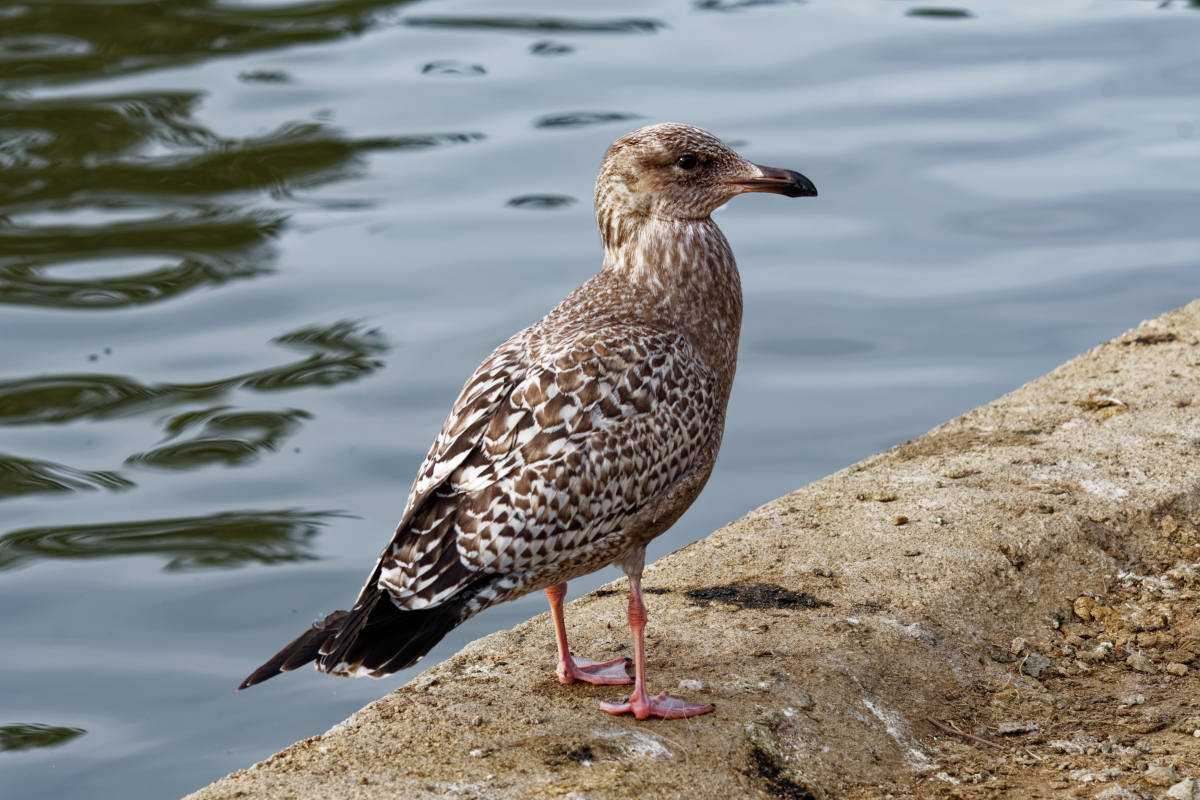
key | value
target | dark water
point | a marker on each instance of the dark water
(249, 251)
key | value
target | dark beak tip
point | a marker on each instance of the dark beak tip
(801, 186)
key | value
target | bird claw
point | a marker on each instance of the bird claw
(661, 705)
(606, 673)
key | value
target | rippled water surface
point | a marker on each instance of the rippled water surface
(250, 250)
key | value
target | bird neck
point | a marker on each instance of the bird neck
(685, 268)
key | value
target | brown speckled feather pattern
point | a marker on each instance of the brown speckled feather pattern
(556, 443)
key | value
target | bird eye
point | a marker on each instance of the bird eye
(687, 162)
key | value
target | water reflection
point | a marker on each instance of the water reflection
(940, 13)
(232, 438)
(341, 352)
(208, 248)
(576, 118)
(67, 130)
(223, 540)
(68, 154)
(344, 337)
(733, 5)
(56, 41)
(531, 24)
(264, 76)
(548, 48)
(453, 68)
(295, 155)
(19, 476)
(541, 201)
(31, 735)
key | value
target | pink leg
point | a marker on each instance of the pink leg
(572, 668)
(639, 703)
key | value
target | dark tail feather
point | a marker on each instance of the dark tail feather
(381, 638)
(375, 636)
(305, 648)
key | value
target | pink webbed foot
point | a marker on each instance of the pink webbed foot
(607, 673)
(661, 705)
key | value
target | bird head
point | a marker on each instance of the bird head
(676, 171)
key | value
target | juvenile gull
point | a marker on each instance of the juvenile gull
(579, 439)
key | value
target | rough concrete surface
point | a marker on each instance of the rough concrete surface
(1020, 576)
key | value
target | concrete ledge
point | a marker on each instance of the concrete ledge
(894, 591)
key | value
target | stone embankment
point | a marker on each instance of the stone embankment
(1005, 606)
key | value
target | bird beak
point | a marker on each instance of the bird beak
(777, 181)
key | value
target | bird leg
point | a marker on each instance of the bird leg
(639, 703)
(573, 668)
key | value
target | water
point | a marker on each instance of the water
(249, 252)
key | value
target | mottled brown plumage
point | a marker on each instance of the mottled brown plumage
(582, 437)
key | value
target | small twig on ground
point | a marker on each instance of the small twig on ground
(963, 734)
(682, 749)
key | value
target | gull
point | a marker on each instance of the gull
(581, 438)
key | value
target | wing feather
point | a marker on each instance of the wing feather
(543, 458)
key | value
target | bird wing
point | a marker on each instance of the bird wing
(541, 458)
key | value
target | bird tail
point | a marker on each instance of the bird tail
(303, 649)
(375, 638)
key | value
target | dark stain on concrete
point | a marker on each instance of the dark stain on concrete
(746, 594)
(771, 777)
(1152, 338)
